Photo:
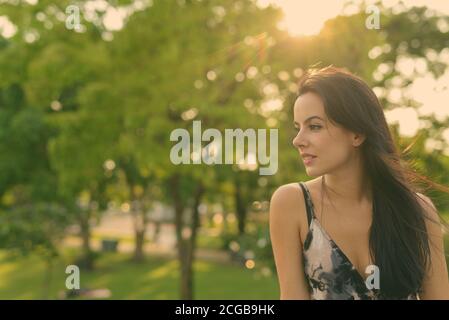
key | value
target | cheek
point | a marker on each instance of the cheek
(339, 151)
(334, 150)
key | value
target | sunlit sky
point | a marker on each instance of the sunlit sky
(307, 17)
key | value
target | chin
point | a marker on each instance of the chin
(314, 172)
(311, 172)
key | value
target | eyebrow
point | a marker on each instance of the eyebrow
(310, 118)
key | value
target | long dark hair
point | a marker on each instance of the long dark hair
(399, 243)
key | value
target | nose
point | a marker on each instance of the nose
(299, 140)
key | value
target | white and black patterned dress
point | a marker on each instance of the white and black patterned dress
(329, 272)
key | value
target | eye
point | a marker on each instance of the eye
(315, 127)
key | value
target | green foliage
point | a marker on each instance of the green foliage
(252, 246)
(85, 117)
(33, 228)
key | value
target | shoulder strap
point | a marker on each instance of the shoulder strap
(308, 201)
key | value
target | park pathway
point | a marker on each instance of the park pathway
(120, 227)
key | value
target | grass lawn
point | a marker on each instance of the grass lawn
(157, 278)
(22, 278)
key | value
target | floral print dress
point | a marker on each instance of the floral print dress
(329, 272)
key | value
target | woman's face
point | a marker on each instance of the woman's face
(323, 146)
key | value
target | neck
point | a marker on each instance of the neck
(349, 183)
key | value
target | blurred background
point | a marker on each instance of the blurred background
(91, 90)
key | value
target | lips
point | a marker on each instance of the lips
(308, 158)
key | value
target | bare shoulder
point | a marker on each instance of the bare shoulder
(433, 221)
(292, 193)
(436, 283)
(287, 205)
(287, 195)
(287, 192)
(425, 199)
(428, 206)
(286, 228)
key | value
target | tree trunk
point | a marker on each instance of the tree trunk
(186, 247)
(139, 245)
(47, 278)
(87, 258)
(191, 242)
(240, 209)
(180, 243)
(186, 272)
(140, 224)
(157, 230)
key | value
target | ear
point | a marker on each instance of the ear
(358, 139)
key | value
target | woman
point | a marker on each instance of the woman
(359, 230)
